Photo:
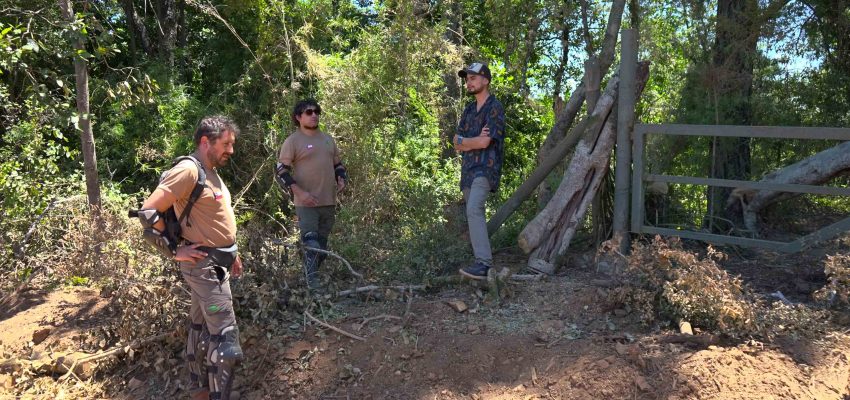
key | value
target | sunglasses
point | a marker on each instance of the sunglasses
(310, 111)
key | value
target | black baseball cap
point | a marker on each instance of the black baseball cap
(475, 68)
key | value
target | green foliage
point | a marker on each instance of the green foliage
(385, 74)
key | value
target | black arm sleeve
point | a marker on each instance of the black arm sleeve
(340, 172)
(283, 176)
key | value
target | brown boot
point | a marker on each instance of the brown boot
(201, 395)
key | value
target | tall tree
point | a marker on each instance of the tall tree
(737, 31)
(84, 117)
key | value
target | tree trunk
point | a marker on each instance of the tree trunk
(136, 26)
(815, 170)
(167, 15)
(536, 232)
(547, 237)
(634, 15)
(183, 41)
(86, 136)
(737, 31)
(588, 41)
(449, 117)
(557, 100)
(567, 116)
(530, 45)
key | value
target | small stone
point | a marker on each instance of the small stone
(457, 305)
(432, 376)
(602, 364)
(623, 349)
(297, 350)
(39, 335)
(135, 383)
(394, 328)
(519, 388)
(642, 384)
(621, 312)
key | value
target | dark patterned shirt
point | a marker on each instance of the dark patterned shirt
(484, 162)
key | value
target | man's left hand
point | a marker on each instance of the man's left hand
(340, 184)
(236, 268)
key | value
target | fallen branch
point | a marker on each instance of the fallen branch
(344, 261)
(370, 319)
(331, 327)
(378, 287)
(447, 280)
(527, 277)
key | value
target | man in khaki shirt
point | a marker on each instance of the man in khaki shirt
(309, 167)
(207, 256)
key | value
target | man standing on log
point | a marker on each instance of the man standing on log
(480, 139)
(310, 168)
(206, 251)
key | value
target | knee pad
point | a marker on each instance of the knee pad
(223, 357)
(197, 346)
(311, 239)
(311, 258)
(323, 244)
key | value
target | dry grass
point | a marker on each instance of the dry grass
(837, 290)
(666, 283)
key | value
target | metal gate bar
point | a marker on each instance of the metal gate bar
(639, 177)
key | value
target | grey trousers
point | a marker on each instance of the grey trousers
(476, 198)
(212, 302)
(316, 219)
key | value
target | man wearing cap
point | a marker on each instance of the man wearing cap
(309, 167)
(480, 139)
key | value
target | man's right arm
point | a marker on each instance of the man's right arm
(161, 201)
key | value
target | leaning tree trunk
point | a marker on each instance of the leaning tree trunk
(566, 117)
(548, 235)
(86, 136)
(815, 170)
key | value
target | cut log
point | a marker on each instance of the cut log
(526, 189)
(815, 170)
(536, 230)
(548, 235)
(555, 226)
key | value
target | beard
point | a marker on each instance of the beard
(217, 160)
(310, 127)
(475, 90)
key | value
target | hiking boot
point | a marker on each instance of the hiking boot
(477, 271)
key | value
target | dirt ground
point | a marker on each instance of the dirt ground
(554, 339)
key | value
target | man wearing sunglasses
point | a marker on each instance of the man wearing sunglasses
(310, 168)
(480, 139)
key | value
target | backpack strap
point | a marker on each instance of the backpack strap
(196, 192)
